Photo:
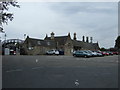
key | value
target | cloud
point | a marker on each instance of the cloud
(91, 19)
(95, 19)
(83, 7)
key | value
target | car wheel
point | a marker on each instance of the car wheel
(85, 56)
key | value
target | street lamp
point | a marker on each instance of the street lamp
(0, 40)
(5, 36)
(5, 43)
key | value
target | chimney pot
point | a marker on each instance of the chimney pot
(87, 39)
(74, 36)
(52, 35)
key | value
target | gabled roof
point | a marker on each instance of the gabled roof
(77, 43)
(96, 45)
(60, 39)
(85, 45)
(40, 42)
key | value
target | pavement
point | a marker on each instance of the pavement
(59, 72)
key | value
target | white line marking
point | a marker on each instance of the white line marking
(14, 70)
(36, 60)
(76, 83)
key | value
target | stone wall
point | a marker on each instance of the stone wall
(68, 47)
(38, 50)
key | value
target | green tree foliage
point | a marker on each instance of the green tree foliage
(102, 49)
(117, 42)
(4, 14)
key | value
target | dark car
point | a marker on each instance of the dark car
(12, 52)
(61, 52)
(82, 54)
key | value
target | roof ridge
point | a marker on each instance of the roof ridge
(36, 39)
(58, 36)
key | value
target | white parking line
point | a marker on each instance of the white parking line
(14, 70)
(76, 83)
(36, 60)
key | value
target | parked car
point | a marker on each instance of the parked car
(90, 52)
(73, 53)
(61, 52)
(56, 52)
(115, 53)
(52, 52)
(12, 52)
(82, 54)
(97, 54)
(110, 53)
(104, 53)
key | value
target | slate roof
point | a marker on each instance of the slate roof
(47, 42)
(96, 45)
(60, 39)
(85, 45)
(40, 42)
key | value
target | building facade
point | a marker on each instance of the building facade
(34, 46)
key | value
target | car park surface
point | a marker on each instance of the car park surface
(59, 72)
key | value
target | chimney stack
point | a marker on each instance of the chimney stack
(83, 38)
(52, 36)
(74, 36)
(69, 34)
(91, 39)
(87, 39)
(46, 36)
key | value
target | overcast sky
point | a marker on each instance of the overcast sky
(93, 19)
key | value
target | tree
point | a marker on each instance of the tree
(117, 42)
(4, 14)
(102, 49)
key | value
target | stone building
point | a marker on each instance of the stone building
(34, 46)
(38, 46)
(62, 42)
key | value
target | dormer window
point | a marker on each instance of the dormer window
(39, 43)
(48, 43)
(16, 41)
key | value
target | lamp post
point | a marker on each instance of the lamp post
(5, 43)
(0, 40)
(1, 31)
(5, 36)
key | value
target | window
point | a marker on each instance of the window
(16, 41)
(12, 40)
(9, 41)
(39, 43)
(19, 41)
(69, 44)
(48, 43)
(30, 48)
